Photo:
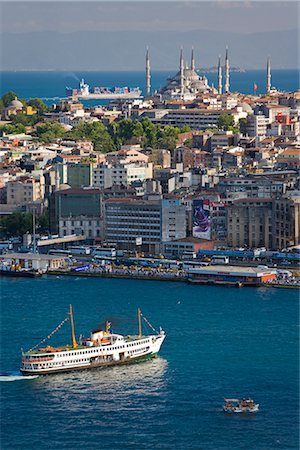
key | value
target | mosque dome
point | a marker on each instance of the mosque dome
(16, 104)
(246, 108)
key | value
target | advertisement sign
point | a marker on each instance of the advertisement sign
(201, 219)
(138, 241)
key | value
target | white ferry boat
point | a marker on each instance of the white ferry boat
(102, 348)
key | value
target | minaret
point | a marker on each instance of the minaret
(219, 76)
(148, 76)
(192, 60)
(226, 87)
(268, 75)
(181, 72)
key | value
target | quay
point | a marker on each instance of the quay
(35, 265)
(149, 277)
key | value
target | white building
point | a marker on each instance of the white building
(107, 175)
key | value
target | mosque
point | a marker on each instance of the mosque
(187, 84)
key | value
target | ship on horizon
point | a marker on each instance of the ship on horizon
(84, 92)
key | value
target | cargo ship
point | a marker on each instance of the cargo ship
(102, 348)
(85, 92)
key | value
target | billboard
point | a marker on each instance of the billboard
(201, 219)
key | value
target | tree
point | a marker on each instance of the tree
(188, 143)
(185, 129)
(16, 224)
(95, 132)
(242, 125)
(225, 121)
(8, 98)
(150, 132)
(168, 137)
(25, 120)
(50, 131)
(38, 105)
(43, 222)
(138, 129)
(12, 129)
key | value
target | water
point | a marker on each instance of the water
(220, 342)
(52, 84)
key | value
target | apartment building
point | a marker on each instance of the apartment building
(25, 189)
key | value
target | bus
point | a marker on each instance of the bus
(104, 252)
(220, 259)
(79, 250)
(65, 253)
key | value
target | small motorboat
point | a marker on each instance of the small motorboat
(234, 405)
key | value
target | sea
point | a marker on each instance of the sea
(220, 342)
(50, 86)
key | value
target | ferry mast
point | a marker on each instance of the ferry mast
(74, 343)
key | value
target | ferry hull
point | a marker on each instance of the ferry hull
(95, 365)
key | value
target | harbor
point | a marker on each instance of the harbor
(36, 265)
(237, 340)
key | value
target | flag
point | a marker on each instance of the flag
(255, 87)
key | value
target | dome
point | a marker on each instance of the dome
(16, 104)
(246, 108)
(64, 186)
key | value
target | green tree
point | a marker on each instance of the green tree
(16, 224)
(50, 131)
(95, 132)
(43, 222)
(150, 132)
(12, 129)
(138, 129)
(225, 121)
(242, 125)
(188, 143)
(38, 105)
(125, 130)
(8, 98)
(185, 129)
(25, 120)
(168, 137)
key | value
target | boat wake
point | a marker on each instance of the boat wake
(15, 377)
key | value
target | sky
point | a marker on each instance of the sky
(44, 35)
(71, 16)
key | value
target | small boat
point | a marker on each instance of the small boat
(234, 405)
(102, 348)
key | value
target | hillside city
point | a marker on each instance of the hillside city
(191, 168)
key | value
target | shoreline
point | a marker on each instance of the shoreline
(157, 278)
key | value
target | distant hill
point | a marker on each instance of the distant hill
(92, 50)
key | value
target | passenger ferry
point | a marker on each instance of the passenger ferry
(102, 348)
